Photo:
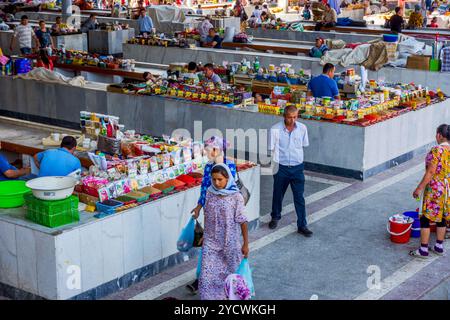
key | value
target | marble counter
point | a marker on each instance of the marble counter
(168, 55)
(108, 42)
(96, 257)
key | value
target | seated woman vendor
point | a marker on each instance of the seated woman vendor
(9, 172)
(324, 85)
(58, 162)
(319, 49)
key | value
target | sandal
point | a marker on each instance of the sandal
(416, 254)
(436, 252)
(193, 287)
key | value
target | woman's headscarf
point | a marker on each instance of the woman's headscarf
(216, 142)
(230, 188)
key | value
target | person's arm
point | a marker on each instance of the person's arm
(433, 158)
(335, 91)
(240, 218)
(37, 159)
(13, 174)
(206, 182)
(305, 142)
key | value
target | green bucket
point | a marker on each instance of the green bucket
(12, 192)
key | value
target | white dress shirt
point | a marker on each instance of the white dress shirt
(287, 147)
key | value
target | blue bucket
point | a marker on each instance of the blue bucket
(415, 229)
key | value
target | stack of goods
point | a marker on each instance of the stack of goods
(51, 203)
(378, 102)
(145, 169)
(161, 41)
(82, 58)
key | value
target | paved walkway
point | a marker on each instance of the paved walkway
(350, 255)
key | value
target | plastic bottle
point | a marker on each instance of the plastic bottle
(256, 64)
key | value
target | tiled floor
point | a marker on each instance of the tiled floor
(349, 242)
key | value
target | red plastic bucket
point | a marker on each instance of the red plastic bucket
(400, 232)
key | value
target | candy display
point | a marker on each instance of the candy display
(82, 58)
(138, 169)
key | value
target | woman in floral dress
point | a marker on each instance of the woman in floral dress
(435, 186)
(222, 251)
(215, 149)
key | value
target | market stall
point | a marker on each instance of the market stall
(108, 41)
(336, 148)
(113, 248)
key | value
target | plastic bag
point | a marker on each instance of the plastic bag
(186, 240)
(198, 235)
(246, 272)
(199, 264)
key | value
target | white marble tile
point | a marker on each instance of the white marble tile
(26, 260)
(8, 254)
(46, 265)
(151, 223)
(68, 264)
(172, 213)
(112, 247)
(91, 256)
(133, 246)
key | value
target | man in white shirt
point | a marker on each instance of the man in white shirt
(25, 34)
(287, 139)
(257, 13)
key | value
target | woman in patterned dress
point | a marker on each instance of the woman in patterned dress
(222, 251)
(435, 186)
(215, 149)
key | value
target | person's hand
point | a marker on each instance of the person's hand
(417, 193)
(196, 211)
(245, 250)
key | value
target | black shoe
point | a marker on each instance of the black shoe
(273, 224)
(193, 287)
(305, 231)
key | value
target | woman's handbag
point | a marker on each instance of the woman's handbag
(244, 191)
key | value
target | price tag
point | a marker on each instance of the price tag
(319, 109)
(329, 111)
(340, 112)
(361, 114)
(195, 95)
(308, 108)
(181, 94)
(350, 114)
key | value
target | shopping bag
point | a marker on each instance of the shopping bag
(246, 273)
(199, 264)
(186, 240)
(198, 235)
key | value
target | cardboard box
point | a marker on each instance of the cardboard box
(418, 62)
(350, 88)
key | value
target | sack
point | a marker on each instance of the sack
(186, 239)
(198, 235)
(199, 264)
(245, 271)
(244, 191)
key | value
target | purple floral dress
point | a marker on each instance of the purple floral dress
(221, 252)
(436, 202)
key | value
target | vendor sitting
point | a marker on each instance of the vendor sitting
(329, 19)
(191, 75)
(9, 172)
(324, 84)
(213, 40)
(58, 162)
(57, 26)
(89, 24)
(319, 49)
(415, 19)
(211, 75)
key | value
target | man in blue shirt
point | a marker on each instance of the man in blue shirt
(145, 23)
(210, 75)
(58, 162)
(287, 140)
(324, 84)
(9, 172)
(213, 40)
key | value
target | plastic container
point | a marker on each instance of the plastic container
(415, 229)
(164, 187)
(390, 37)
(52, 213)
(151, 191)
(400, 231)
(137, 195)
(12, 193)
(108, 206)
(435, 65)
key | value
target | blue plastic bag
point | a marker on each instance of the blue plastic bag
(246, 272)
(199, 264)
(186, 240)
